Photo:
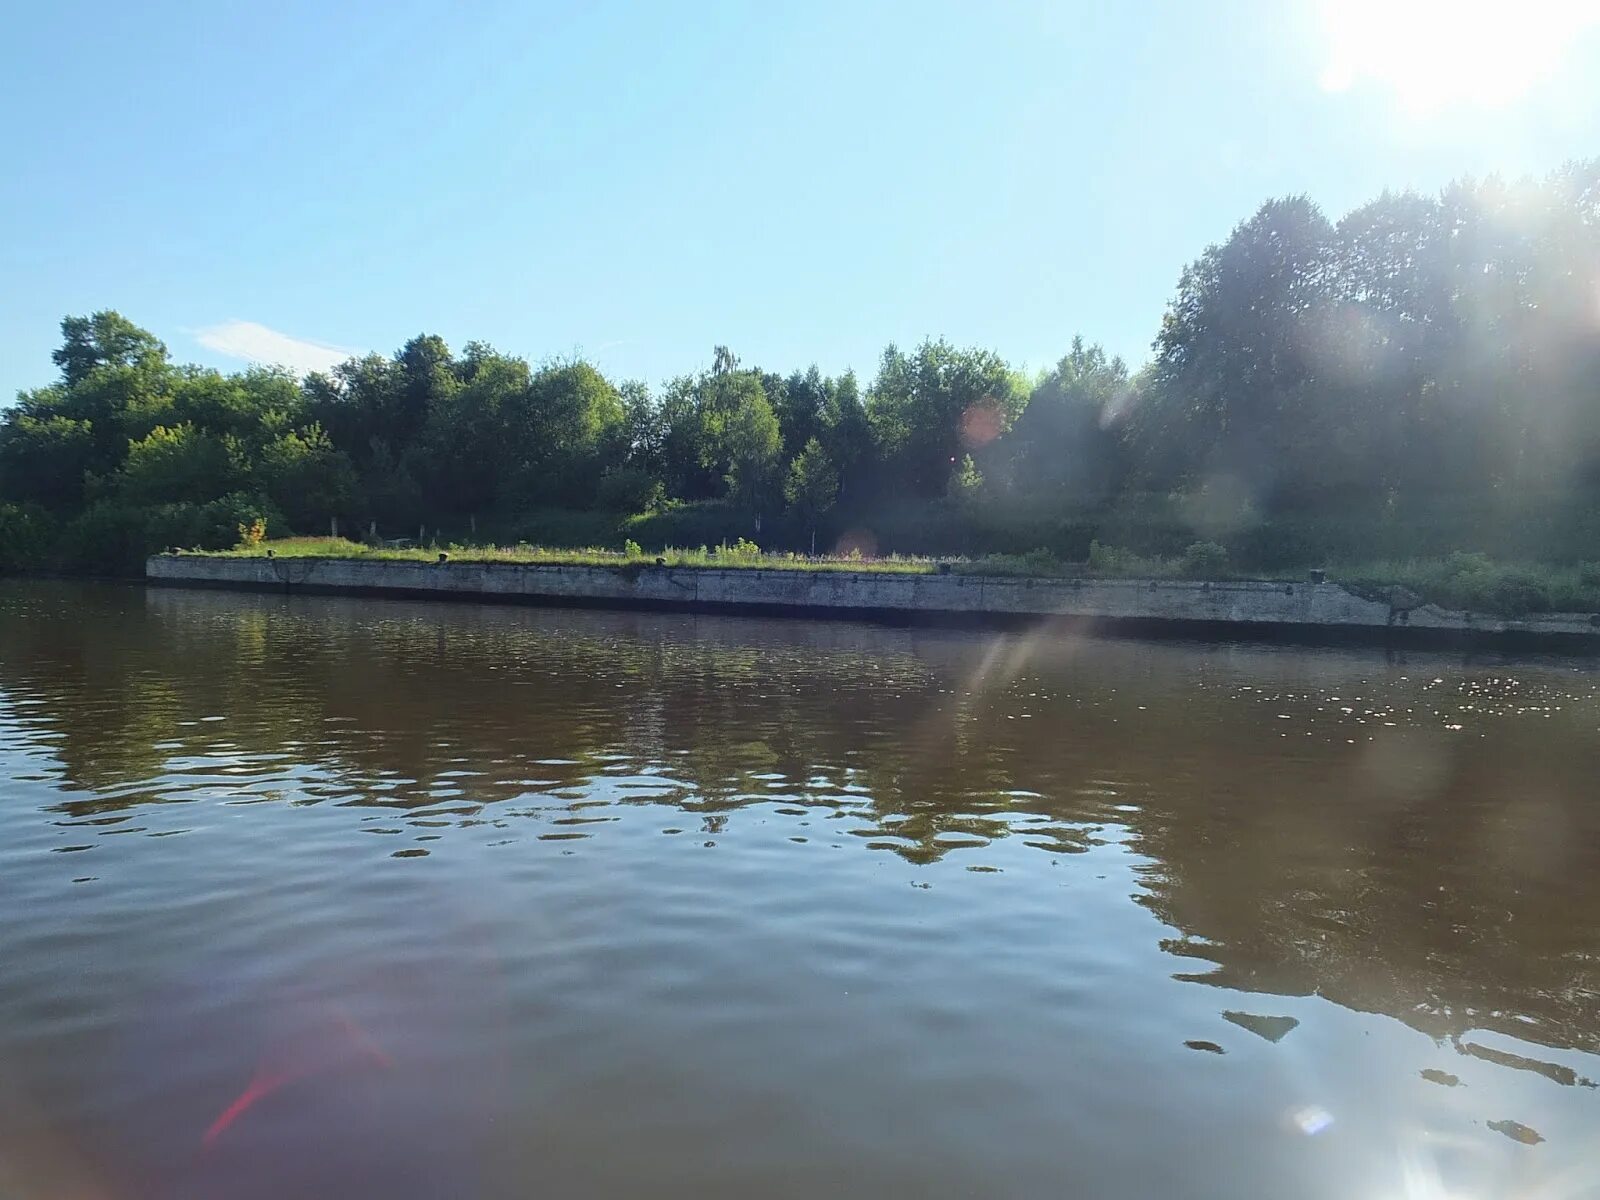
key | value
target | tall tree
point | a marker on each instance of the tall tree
(1233, 386)
(752, 444)
(812, 486)
(104, 339)
(1065, 445)
(932, 406)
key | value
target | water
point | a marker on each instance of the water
(337, 898)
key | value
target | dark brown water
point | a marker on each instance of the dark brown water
(339, 898)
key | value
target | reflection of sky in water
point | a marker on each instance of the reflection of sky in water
(734, 907)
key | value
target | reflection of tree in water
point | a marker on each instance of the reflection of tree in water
(395, 708)
(1453, 899)
(1444, 879)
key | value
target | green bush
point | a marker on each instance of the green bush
(1113, 560)
(113, 538)
(561, 527)
(213, 525)
(710, 523)
(630, 490)
(1515, 593)
(107, 538)
(1473, 581)
(1283, 544)
(28, 537)
(1203, 560)
(1035, 564)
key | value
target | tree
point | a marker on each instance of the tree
(353, 403)
(679, 440)
(1065, 446)
(846, 433)
(751, 439)
(473, 443)
(929, 407)
(307, 478)
(1234, 383)
(183, 463)
(424, 379)
(105, 339)
(44, 458)
(1425, 350)
(800, 402)
(566, 429)
(812, 486)
(965, 482)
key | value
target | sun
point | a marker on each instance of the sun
(1438, 54)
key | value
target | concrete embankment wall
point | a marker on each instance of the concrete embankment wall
(1180, 606)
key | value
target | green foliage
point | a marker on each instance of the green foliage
(1421, 346)
(929, 407)
(308, 480)
(1472, 581)
(28, 536)
(1414, 379)
(966, 482)
(741, 554)
(182, 463)
(1113, 561)
(812, 487)
(106, 339)
(627, 489)
(107, 538)
(1203, 560)
(1064, 447)
(44, 458)
(111, 537)
(548, 526)
(568, 428)
(750, 441)
(1035, 564)
(707, 523)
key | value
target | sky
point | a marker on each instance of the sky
(802, 181)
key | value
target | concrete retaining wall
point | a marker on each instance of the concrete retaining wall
(1180, 605)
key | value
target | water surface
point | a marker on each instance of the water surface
(324, 897)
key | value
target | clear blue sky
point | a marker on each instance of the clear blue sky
(802, 181)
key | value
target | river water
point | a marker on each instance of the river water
(324, 897)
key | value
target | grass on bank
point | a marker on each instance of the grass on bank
(1477, 583)
(1459, 581)
(742, 554)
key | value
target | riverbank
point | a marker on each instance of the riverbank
(1299, 611)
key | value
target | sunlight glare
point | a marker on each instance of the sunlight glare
(1437, 54)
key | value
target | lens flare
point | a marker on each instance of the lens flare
(1437, 54)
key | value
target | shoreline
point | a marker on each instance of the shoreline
(1305, 612)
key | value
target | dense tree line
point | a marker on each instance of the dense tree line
(1422, 351)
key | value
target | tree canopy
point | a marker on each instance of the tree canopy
(1420, 350)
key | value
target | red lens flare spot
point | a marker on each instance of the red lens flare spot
(980, 425)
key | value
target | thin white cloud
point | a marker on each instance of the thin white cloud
(256, 343)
